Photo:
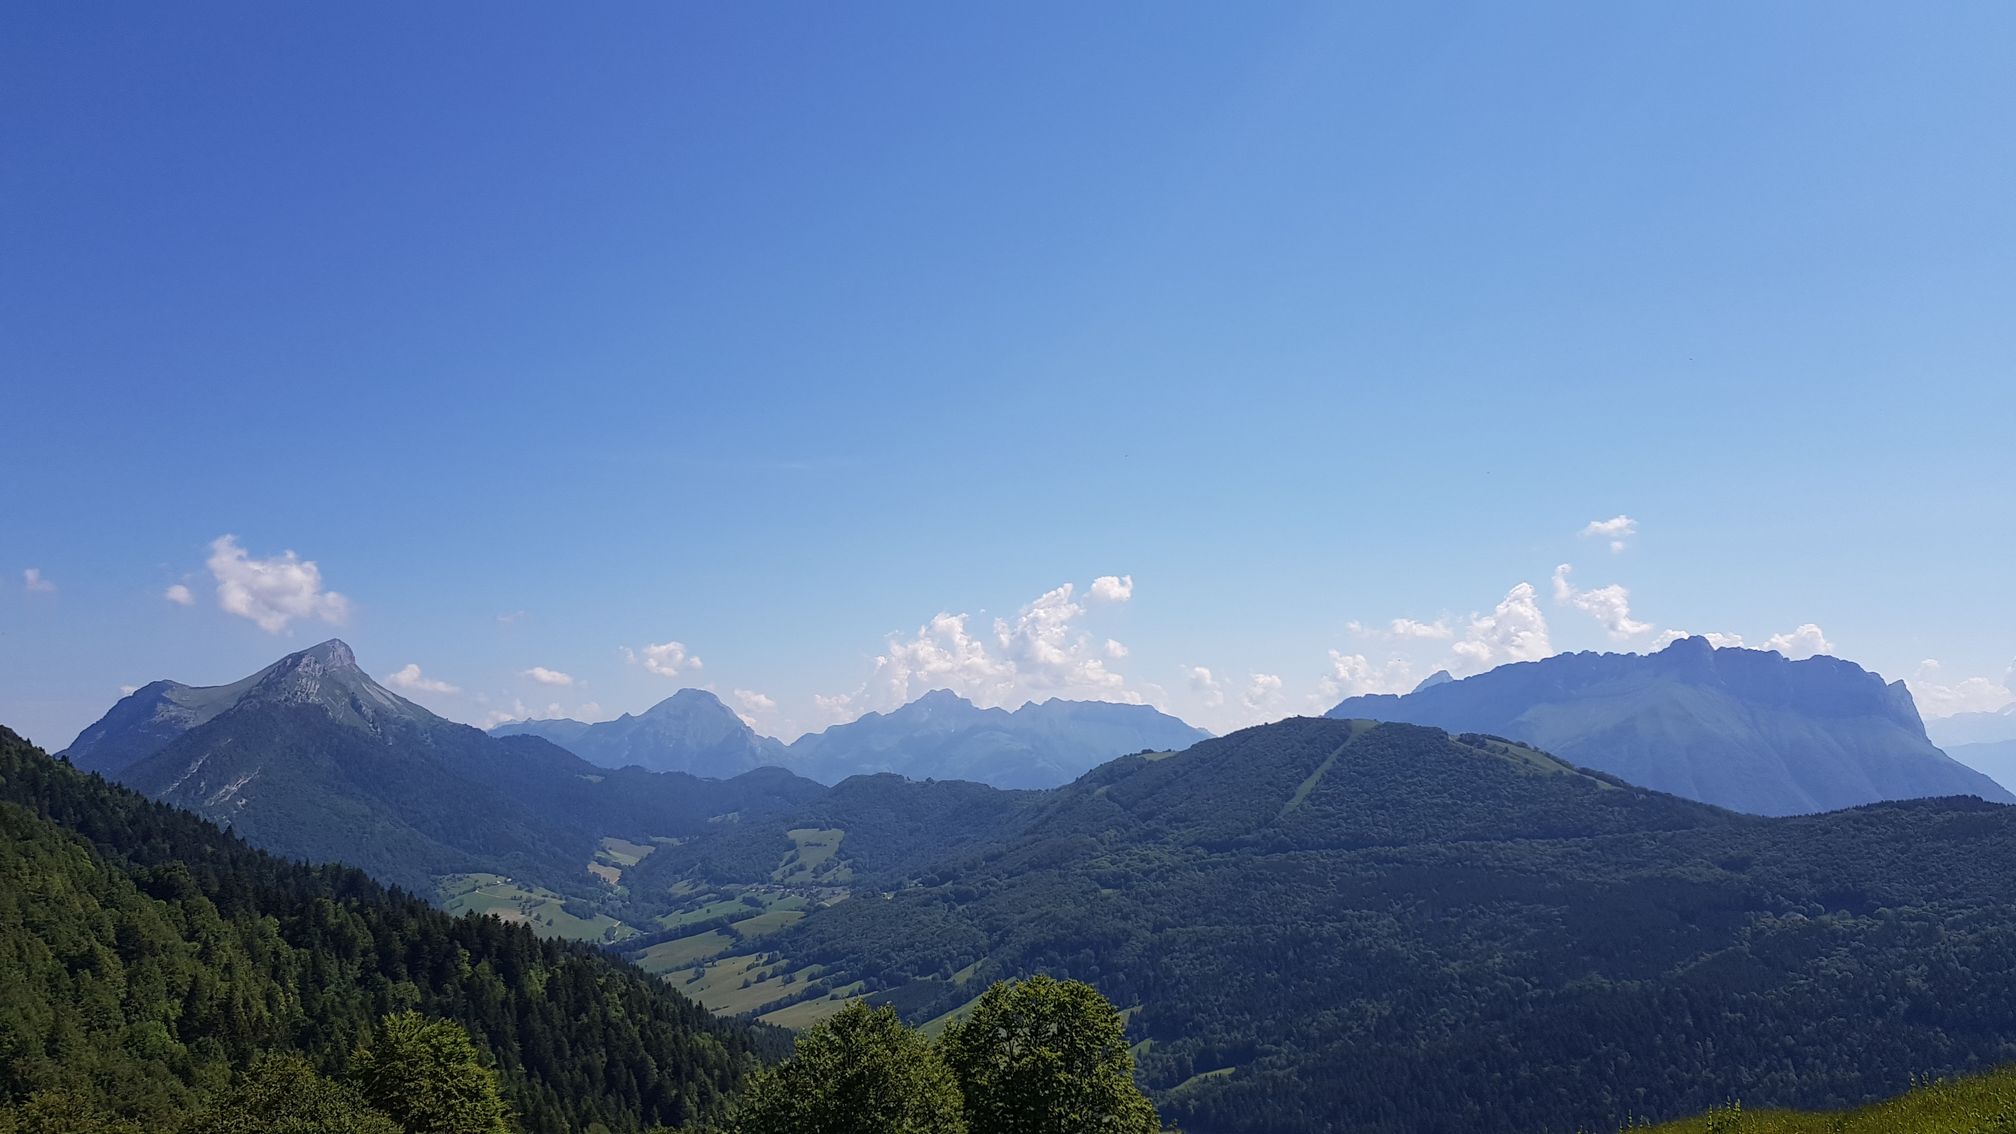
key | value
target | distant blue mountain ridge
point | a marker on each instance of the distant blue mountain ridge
(1745, 729)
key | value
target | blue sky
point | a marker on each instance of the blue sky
(778, 331)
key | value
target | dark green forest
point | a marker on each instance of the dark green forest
(147, 954)
(1328, 926)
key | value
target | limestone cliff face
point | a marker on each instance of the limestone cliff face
(1745, 729)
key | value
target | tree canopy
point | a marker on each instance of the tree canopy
(860, 1072)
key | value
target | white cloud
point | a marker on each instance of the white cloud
(1113, 588)
(128, 690)
(1042, 651)
(833, 708)
(942, 654)
(1404, 629)
(1718, 641)
(1353, 675)
(1049, 654)
(1971, 695)
(1804, 642)
(1210, 690)
(544, 676)
(1263, 693)
(1616, 529)
(179, 595)
(1515, 630)
(272, 592)
(1609, 605)
(752, 704)
(1409, 628)
(510, 616)
(495, 717)
(666, 659)
(410, 678)
(32, 579)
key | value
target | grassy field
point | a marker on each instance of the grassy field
(811, 860)
(1980, 1104)
(683, 953)
(528, 905)
(728, 907)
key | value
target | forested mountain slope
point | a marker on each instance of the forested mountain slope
(1747, 729)
(1337, 926)
(147, 951)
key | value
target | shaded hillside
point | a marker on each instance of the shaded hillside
(1745, 729)
(148, 952)
(313, 759)
(1331, 926)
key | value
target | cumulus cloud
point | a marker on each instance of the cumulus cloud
(495, 717)
(411, 679)
(753, 703)
(1043, 650)
(666, 659)
(544, 676)
(272, 592)
(1515, 630)
(834, 708)
(1409, 628)
(32, 579)
(1937, 698)
(1112, 588)
(1804, 642)
(1404, 629)
(179, 595)
(1048, 653)
(1353, 675)
(1609, 605)
(1718, 641)
(1263, 693)
(1208, 688)
(1617, 530)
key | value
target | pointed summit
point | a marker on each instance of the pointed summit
(691, 731)
(324, 675)
(332, 654)
(1439, 677)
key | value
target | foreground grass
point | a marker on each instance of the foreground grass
(1979, 1104)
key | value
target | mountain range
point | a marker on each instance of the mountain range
(1745, 729)
(312, 759)
(938, 736)
(1316, 925)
